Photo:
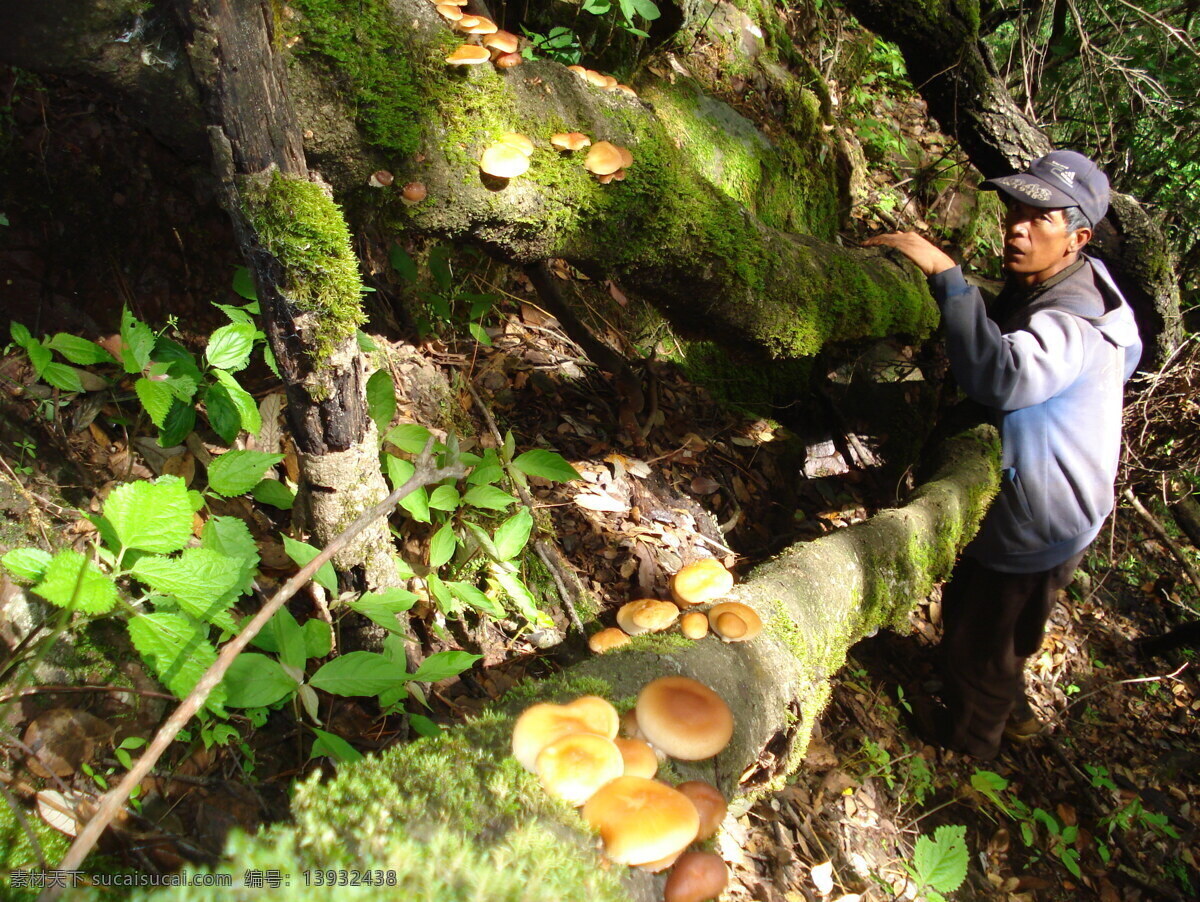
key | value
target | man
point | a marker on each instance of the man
(1049, 360)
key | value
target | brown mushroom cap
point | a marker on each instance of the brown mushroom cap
(450, 11)
(684, 718)
(541, 724)
(710, 804)
(629, 725)
(508, 60)
(570, 140)
(734, 621)
(641, 820)
(578, 70)
(646, 615)
(608, 639)
(603, 159)
(639, 758)
(414, 193)
(610, 83)
(504, 161)
(702, 581)
(628, 90)
(519, 141)
(696, 876)
(574, 767)
(468, 55)
(594, 78)
(694, 624)
(504, 41)
(626, 157)
(477, 25)
(381, 179)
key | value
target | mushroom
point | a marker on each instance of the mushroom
(705, 580)
(578, 70)
(502, 41)
(504, 161)
(381, 179)
(684, 718)
(639, 758)
(477, 25)
(413, 193)
(710, 805)
(574, 767)
(629, 726)
(694, 625)
(608, 639)
(570, 141)
(628, 90)
(734, 621)
(519, 141)
(610, 83)
(646, 615)
(697, 876)
(450, 11)
(602, 159)
(626, 157)
(641, 820)
(541, 724)
(594, 78)
(468, 55)
(508, 60)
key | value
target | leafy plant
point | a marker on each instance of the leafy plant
(1060, 840)
(939, 865)
(443, 302)
(559, 43)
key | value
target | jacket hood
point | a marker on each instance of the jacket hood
(1088, 296)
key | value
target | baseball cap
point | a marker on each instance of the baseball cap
(1062, 178)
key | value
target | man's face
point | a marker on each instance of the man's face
(1037, 242)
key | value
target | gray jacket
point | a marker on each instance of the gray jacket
(1052, 368)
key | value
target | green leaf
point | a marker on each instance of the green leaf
(179, 360)
(480, 334)
(423, 726)
(488, 497)
(444, 498)
(79, 350)
(381, 399)
(404, 264)
(485, 474)
(237, 472)
(156, 397)
(243, 283)
(365, 342)
(470, 595)
(546, 464)
(39, 355)
(26, 565)
(178, 651)
(138, 341)
(646, 9)
(357, 673)
(179, 424)
(328, 745)
(202, 580)
(289, 639)
(254, 681)
(274, 493)
(238, 314)
(439, 266)
(72, 581)
(444, 665)
(382, 607)
(318, 638)
(302, 553)
(151, 516)
(941, 862)
(229, 347)
(410, 437)
(415, 502)
(513, 534)
(20, 334)
(63, 377)
(223, 414)
(444, 598)
(247, 409)
(520, 595)
(442, 546)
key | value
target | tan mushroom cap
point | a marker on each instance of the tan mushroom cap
(696, 876)
(610, 83)
(710, 805)
(628, 90)
(626, 157)
(705, 580)
(381, 179)
(662, 864)
(629, 725)
(541, 724)
(450, 11)
(504, 161)
(646, 615)
(641, 820)
(414, 192)
(519, 141)
(603, 159)
(684, 718)
(639, 758)
(594, 78)
(508, 60)
(477, 25)
(468, 55)
(734, 621)
(574, 767)
(504, 41)
(694, 625)
(570, 140)
(578, 70)
(608, 639)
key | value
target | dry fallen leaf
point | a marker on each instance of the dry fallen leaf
(822, 877)
(599, 502)
(58, 810)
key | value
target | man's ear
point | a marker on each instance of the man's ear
(1078, 239)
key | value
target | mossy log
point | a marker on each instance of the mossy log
(455, 818)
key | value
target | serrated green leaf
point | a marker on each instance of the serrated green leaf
(181, 420)
(26, 565)
(442, 546)
(318, 638)
(156, 397)
(231, 537)
(241, 399)
(302, 553)
(201, 580)
(546, 464)
(151, 516)
(235, 314)
(329, 745)
(488, 497)
(254, 681)
(357, 673)
(237, 472)
(178, 651)
(180, 361)
(137, 342)
(381, 399)
(471, 595)
(941, 862)
(513, 534)
(63, 377)
(403, 263)
(79, 350)
(243, 283)
(274, 493)
(72, 581)
(20, 333)
(223, 414)
(229, 347)
(444, 665)
(410, 437)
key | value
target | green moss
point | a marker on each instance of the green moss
(298, 224)
(659, 643)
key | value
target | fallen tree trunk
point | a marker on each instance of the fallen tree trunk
(456, 818)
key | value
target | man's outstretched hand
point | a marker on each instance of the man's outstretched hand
(927, 256)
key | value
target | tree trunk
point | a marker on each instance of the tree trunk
(953, 70)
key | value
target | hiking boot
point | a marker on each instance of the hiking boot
(1023, 724)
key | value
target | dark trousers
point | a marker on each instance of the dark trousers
(993, 621)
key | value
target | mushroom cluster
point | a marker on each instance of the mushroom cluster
(576, 753)
(696, 584)
(602, 81)
(500, 46)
